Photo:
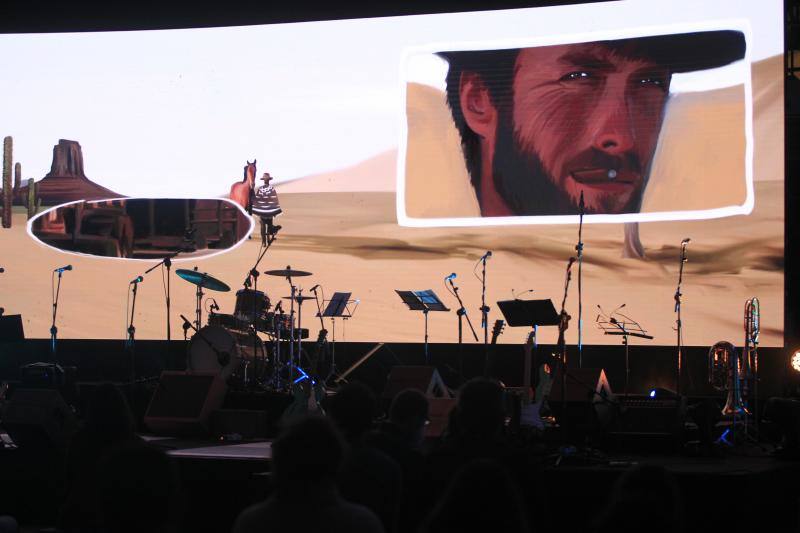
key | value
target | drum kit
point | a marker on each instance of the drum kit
(258, 345)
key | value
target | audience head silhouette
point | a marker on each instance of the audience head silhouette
(353, 409)
(481, 497)
(308, 450)
(481, 412)
(108, 412)
(139, 490)
(409, 412)
(645, 494)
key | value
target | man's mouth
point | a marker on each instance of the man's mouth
(603, 176)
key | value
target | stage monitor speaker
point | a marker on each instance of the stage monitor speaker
(183, 402)
(656, 424)
(39, 417)
(423, 378)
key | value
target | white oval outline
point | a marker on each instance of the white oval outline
(175, 259)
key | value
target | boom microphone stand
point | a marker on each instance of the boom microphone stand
(167, 262)
(485, 315)
(53, 328)
(579, 250)
(678, 323)
(461, 312)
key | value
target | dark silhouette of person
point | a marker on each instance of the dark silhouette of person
(481, 497)
(645, 497)
(368, 477)
(539, 126)
(479, 433)
(109, 423)
(139, 490)
(306, 459)
(401, 437)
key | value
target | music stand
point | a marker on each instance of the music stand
(422, 301)
(337, 307)
(11, 328)
(529, 313)
(630, 328)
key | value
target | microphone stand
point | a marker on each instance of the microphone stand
(254, 275)
(563, 323)
(167, 262)
(130, 344)
(579, 250)
(678, 323)
(462, 312)
(53, 328)
(485, 318)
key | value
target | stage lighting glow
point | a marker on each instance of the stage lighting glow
(653, 393)
(796, 360)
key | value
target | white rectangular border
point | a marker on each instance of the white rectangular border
(746, 208)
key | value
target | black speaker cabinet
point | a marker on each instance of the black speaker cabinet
(39, 417)
(423, 378)
(183, 402)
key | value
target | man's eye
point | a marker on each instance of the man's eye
(577, 75)
(652, 81)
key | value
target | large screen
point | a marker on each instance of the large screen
(395, 152)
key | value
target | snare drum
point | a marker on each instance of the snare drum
(249, 304)
(213, 349)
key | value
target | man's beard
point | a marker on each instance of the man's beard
(526, 186)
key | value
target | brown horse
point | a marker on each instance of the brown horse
(241, 191)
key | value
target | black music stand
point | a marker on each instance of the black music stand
(337, 308)
(625, 329)
(422, 301)
(530, 314)
(11, 328)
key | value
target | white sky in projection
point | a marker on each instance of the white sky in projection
(177, 113)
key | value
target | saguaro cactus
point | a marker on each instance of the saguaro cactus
(7, 191)
(32, 201)
(17, 179)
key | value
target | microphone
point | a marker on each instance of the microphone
(685, 241)
(314, 288)
(138, 279)
(450, 277)
(62, 269)
(214, 305)
(486, 256)
(581, 205)
(2, 270)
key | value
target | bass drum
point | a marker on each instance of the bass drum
(213, 349)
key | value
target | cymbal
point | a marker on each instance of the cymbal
(202, 279)
(287, 273)
(299, 298)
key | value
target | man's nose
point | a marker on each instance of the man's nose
(615, 130)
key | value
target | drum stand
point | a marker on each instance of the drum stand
(199, 307)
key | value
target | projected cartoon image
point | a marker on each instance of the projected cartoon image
(143, 228)
(539, 127)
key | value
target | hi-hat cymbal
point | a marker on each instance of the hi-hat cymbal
(299, 298)
(287, 273)
(202, 279)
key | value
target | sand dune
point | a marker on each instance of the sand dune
(375, 174)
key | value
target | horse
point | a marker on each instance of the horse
(241, 191)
